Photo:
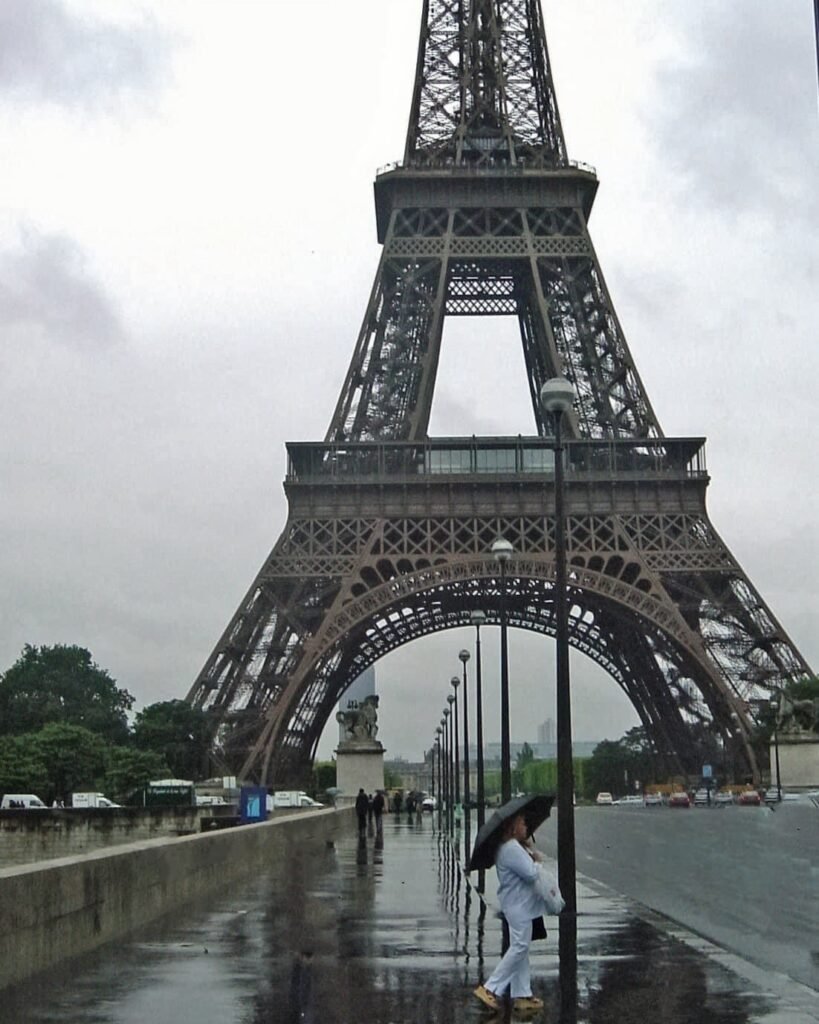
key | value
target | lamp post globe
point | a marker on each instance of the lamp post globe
(502, 550)
(557, 396)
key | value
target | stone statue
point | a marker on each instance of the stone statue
(361, 723)
(797, 715)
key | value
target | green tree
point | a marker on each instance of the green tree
(73, 758)
(526, 756)
(324, 775)
(62, 684)
(608, 767)
(127, 770)
(21, 769)
(178, 732)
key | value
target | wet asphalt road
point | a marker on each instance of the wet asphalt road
(384, 932)
(747, 878)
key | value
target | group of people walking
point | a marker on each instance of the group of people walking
(368, 808)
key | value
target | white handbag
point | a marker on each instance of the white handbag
(547, 888)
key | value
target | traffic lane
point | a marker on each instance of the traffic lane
(745, 877)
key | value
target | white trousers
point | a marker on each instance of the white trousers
(513, 970)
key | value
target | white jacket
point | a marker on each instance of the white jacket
(517, 873)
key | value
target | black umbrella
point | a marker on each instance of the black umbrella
(535, 810)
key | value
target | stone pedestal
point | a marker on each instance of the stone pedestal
(359, 765)
(798, 761)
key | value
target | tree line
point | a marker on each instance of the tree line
(64, 727)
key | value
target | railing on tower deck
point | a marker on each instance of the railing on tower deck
(521, 166)
(669, 458)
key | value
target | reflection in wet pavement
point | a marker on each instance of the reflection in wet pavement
(382, 929)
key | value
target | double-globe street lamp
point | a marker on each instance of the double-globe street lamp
(502, 551)
(557, 396)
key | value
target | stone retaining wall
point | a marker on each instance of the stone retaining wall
(54, 910)
(35, 835)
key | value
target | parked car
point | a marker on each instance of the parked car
(679, 800)
(749, 797)
(429, 803)
(604, 799)
(653, 800)
(724, 797)
(631, 801)
(701, 798)
(772, 796)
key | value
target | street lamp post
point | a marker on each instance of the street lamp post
(478, 618)
(775, 709)
(556, 397)
(502, 552)
(455, 682)
(436, 770)
(452, 797)
(446, 780)
(464, 657)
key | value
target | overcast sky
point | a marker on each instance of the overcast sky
(187, 243)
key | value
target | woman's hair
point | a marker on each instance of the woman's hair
(509, 826)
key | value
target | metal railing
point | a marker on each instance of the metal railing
(521, 166)
(668, 458)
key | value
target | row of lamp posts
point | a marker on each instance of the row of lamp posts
(556, 397)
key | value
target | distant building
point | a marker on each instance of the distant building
(546, 732)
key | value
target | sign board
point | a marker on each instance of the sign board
(706, 771)
(253, 804)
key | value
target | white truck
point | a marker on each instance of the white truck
(291, 798)
(91, 800)
(21, 801)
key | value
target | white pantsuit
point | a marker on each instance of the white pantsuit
(520, 903)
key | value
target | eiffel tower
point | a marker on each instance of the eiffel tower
(389, 531)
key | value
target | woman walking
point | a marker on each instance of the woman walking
(516, 862)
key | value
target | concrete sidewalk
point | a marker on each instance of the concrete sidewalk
(387, 931)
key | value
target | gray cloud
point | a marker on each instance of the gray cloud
(48, 53)
(46, 289)
(735, 106)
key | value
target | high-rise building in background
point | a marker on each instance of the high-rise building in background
(546, 732)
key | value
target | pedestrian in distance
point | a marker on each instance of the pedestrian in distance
(516, 862)
(370, 809)
(378, 810)
(361, 807)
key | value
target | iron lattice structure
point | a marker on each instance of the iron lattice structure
(388, 532)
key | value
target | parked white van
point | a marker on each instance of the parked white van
(22, 801)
